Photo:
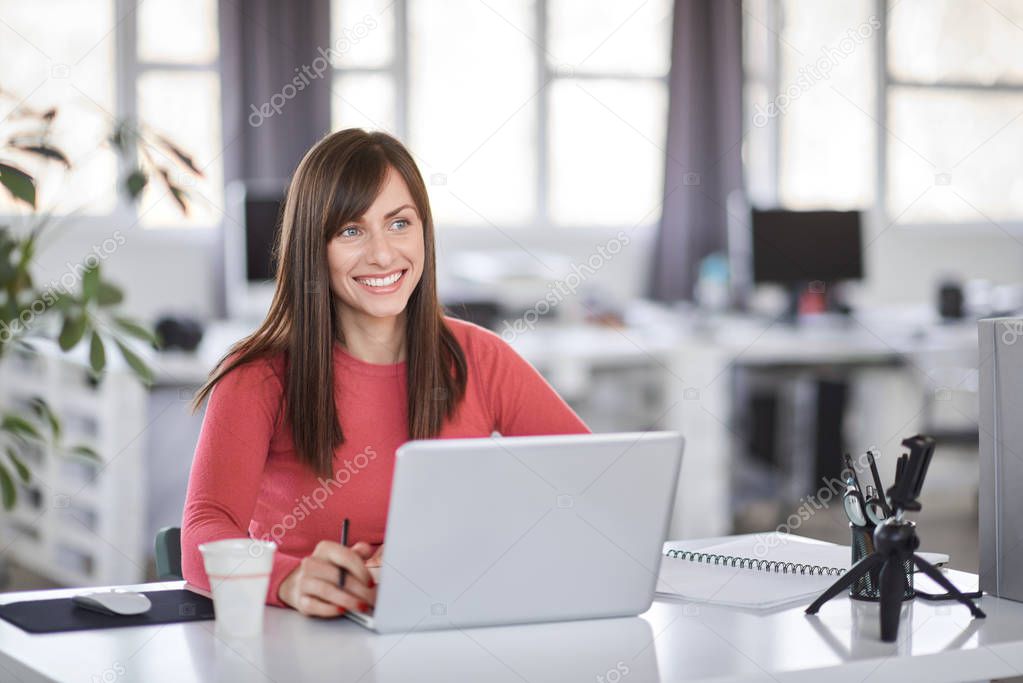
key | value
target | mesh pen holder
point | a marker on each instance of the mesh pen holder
(868, 587)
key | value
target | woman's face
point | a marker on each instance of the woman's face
(375, 261)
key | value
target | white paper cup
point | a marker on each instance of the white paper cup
(239, 573)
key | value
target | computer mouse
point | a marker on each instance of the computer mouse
(113, 602)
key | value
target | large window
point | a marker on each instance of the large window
(520, 113)
(98, 61)
(914, 107)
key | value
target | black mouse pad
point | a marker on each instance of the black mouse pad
(60, 614)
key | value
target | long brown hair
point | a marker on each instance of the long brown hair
(336, 182)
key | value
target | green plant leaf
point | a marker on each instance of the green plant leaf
(19, 465)
(10, 494)
(8, 270)
(183, 158)
(181, 197)
(109, 294)
(136, 363)
(41, 408)
(15, 424)
(85, 452)
(18, 183)
(135, 183)
(123, 136)
(71, 332)
(97, 354)
(45, 151)
(90, 283)
(135, 330)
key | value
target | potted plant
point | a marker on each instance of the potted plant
(85, 314)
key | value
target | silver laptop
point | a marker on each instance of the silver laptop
(507, 530)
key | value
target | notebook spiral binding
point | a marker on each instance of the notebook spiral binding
(754, 563)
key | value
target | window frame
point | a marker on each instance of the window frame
(884, 82)
(541, 223)
(127, 69)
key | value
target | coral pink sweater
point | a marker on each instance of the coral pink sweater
(247, 481)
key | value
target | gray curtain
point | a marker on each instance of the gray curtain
(268, 123)
(262, 42)
(704, 142)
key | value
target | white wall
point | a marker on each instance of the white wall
(159, 271)
(163, 271)
(904, 264)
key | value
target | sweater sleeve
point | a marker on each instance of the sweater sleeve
(521, 401)
(224, 482)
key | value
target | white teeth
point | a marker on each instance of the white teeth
(380, 281)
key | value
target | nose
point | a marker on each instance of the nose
(380, 251)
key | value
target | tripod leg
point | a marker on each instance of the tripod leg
(931, 571)
(893, 588)
(846, 580)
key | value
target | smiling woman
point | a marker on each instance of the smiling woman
(354, 358)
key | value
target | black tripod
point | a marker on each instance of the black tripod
(895, 544)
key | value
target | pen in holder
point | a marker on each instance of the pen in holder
(868, 586)
(890, 540)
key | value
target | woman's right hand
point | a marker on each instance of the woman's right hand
(312, 588)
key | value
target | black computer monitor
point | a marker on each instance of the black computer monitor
(253, 221)
(793, 247)
(262, 221)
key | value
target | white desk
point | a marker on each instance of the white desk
(671, 642)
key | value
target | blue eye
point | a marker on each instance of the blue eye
(401, 220)
(345, 230)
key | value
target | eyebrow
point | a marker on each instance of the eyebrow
(389, 214)
(399, 210)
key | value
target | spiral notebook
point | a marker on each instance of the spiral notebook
(759, 571)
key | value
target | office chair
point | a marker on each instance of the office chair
(168, 554)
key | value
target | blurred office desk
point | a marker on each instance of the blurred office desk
(906, 355)
(670, 642)
(676, 372)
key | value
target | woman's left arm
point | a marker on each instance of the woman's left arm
(522, 402)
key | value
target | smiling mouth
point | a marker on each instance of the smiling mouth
(382, 282)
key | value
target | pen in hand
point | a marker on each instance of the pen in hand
(344, 542)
